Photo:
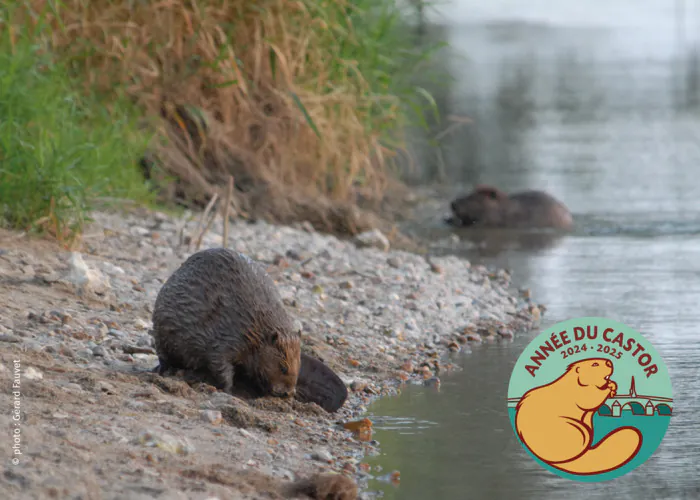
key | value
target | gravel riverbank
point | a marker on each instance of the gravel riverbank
(94, 423)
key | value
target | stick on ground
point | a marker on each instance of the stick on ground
(227, 208)
(204, 216)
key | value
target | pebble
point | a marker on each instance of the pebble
(322, 455)
(31, 373)
(141, 324)
(374, 238)
(211, 416)
(116, 333)
(394, 262)
(99, 351)
(84, 354)
(145, 341)
(84, 278)
(164, 441)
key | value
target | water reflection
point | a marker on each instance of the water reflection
(600, 108)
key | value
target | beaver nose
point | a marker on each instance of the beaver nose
(284, 393)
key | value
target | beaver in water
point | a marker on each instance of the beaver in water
(490, 207)
(220, 314)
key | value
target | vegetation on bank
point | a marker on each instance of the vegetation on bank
(59, 150)
(302, 102)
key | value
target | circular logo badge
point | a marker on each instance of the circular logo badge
(590, 399)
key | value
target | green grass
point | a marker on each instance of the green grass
(60, 151)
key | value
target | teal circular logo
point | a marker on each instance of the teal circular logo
(590, 399)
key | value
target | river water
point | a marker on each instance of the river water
(600, 106)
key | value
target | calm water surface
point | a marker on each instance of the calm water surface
(599, 106)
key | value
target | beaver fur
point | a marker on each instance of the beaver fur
(490, 207)
(220, 313)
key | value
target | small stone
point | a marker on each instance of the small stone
(112, 270)
(31, 373)
(454, 347)
(145, 341)
(167, 442)
(141, 324)
(280, 262)
(374, 238)
(507, 334)
(116, 333)
(394, 262)
(84, 278)
(11, 339)
(99, 351)
(292, 254)
(132, 349)
(85, 354)
(433, 382)
(346, 285)
(322, 455)
(106, 387)
(358, 386)
(211, 416)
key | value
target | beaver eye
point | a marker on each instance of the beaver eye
(594, 364)
(284, 369)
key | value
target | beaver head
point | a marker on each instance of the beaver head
(484, 204)
(593, 372)
(277, 364)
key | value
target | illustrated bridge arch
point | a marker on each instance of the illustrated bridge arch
(636, 403)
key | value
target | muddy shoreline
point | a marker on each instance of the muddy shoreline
(95, 423)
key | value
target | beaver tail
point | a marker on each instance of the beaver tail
(614, 450)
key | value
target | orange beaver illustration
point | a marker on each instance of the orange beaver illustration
(555, 421)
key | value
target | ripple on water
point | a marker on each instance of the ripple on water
(401, 425)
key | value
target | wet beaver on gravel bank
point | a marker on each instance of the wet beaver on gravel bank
(219, 315)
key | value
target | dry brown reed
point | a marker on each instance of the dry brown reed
(257, 90)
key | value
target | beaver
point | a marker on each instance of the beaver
(220, 314)
(555, 421)
(489, 206)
